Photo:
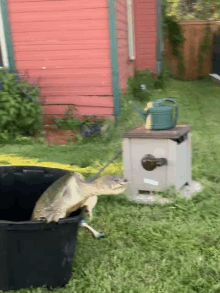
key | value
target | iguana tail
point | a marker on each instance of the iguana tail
(93, 177)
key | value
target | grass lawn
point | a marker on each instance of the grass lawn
(171, 248)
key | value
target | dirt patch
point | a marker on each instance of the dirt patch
(59, 136)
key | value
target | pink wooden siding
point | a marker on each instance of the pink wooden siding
(125, 66)
(145, 34)
(71, 39)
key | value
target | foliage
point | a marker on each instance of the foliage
(174, 33)
(173, 29)
(176, 11)
(204, 48)
(7, 138)
(88, 128)
(20, 112)
(194, 9)
(71, 121)
(152, 82)
(162, 81)
(141, 77)
(92, 120)
(175, 36)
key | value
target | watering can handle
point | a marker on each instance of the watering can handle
(176, 110)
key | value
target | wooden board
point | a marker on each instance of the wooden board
(71, 45)
(58, 64)
(22, 6)
(58, 26)
(60, 110)
(174, 133)
(63, 54)
(98, 101)
(80, 90)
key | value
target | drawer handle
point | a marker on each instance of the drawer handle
(149, 162)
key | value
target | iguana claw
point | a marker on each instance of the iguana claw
(96, 234)
(50, 216)
(100, 236)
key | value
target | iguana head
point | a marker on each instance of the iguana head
(111, 184)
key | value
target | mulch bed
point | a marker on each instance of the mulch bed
(59, 136)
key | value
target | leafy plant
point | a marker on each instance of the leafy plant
(4, 137)
(71, 121)
(91, 126)
(162, 80)
(199, 9)
(203, 49)
(92, 120)
(174, 33)
(150, 82)
(140, 86)
(20, 112)
(88, 121)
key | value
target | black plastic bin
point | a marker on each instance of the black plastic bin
(33, 253)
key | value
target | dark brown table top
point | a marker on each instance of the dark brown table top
(174, 133)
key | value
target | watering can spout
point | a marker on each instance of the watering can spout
(142, 114)
(158, 115)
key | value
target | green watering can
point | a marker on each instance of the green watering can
(159, 116)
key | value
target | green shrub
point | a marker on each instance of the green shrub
(20, 112)
(162, 80)
(150, 81)
(71, 121)
(141, 77)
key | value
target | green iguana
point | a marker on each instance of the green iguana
(71, 192)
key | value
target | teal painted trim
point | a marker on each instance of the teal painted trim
(159, 36)
(7, 32)
(114, 57)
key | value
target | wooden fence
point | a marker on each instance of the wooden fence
(193, 33)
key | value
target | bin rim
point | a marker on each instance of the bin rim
(30, 224)
(37, 167)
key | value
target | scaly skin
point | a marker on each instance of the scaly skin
(71, 192)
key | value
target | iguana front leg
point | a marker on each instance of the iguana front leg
(97, 235)
(50, 215)
(90, 204)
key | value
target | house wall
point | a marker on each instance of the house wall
(145, 33)
(70, 39)
(125, 66)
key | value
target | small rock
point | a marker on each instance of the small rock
(104, 128)
(112, 118)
